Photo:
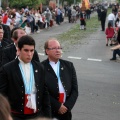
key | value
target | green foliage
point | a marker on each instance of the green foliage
(76, 36)
(72, 1)
(24, 3)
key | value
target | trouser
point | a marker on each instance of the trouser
(66, 116)
(115, 52)
(103, 25)
(69, 18)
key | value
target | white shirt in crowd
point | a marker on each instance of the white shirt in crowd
(111, 16)
(9, 21)
(27, 30)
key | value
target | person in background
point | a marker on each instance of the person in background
(109, 33)
(69, 14)
(82, 20)
(6, 29)
(103, 18)
(22, 81)
(27, 28)
(5, 110)
(61, 73)
(111, 19)
(98, 12)
(9, 53)
(116, 51)
(3, 44)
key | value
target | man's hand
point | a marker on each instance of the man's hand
(62, 109)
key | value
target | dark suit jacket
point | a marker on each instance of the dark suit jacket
(12, 86)
(69, 82)
(9, 54)
(3, 45)
(6, 29)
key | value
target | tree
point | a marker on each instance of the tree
(24, 3)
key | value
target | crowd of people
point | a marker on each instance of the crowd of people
(113, 32)
(30, 88)
(32, 20)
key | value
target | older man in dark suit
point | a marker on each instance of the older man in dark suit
(61, 80)
(23, 82)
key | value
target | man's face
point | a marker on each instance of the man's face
(1, 34)
(20, 34)
(54, 50)
(26, 53)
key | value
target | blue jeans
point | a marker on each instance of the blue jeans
(115, 52)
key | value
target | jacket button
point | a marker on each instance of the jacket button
(22, 97)
(22, 91)
(22, 103)
(38, 96)
(38, 90)
(38, 109)
(66, 90)
(22, 86)
(38, 102)
(21, 110)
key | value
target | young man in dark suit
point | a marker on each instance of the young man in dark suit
(9, 53)
(22, 82)
(61, 81)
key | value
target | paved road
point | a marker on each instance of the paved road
(98, 78)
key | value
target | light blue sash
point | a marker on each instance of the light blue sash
(28, 87)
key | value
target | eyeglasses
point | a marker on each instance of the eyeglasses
(54, 48)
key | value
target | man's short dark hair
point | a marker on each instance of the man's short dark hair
(26, 40)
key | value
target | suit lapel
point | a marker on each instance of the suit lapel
(62, 68)
(18, 72)
(36, 72)
(50, 69)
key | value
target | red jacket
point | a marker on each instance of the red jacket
(109, 32)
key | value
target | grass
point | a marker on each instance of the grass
(75, 35)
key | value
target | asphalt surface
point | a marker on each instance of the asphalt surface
(98, 77)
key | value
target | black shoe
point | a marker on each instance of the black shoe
(106, 44)
(110, 44)
(113, 59)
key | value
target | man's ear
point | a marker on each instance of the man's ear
(18, 51)
(46, 51)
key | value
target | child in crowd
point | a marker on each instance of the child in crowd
(109, 33)
(27, 28)
(82, 20)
